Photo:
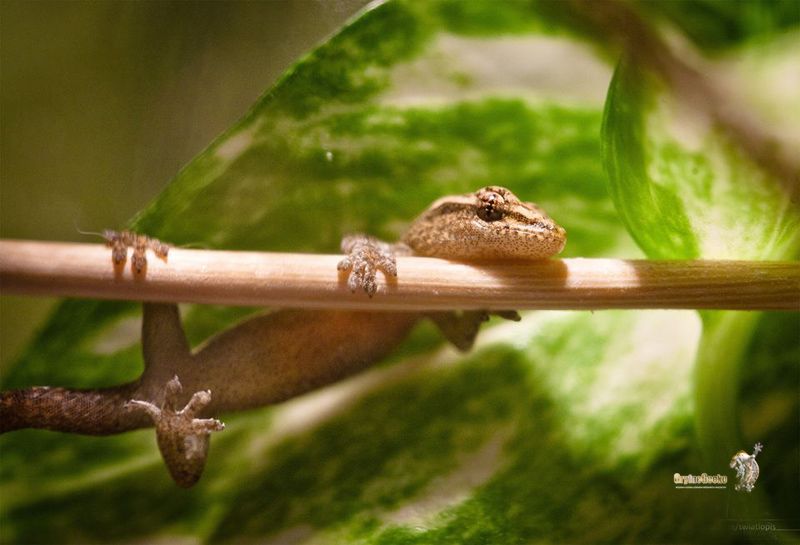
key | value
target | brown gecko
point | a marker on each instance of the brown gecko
(274, 357)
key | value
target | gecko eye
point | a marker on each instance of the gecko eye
(491, 201)
(488, 212)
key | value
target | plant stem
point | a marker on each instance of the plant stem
(307, 280)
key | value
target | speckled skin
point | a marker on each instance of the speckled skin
(182, 437)
(274, 357)
(491, 223)
(263, 360)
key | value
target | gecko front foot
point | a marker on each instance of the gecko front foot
(365, 255)
(120, 241)
(182, 439)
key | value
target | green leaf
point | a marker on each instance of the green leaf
(445, 121)
(686, 188)
(683, 187)
(566, 426)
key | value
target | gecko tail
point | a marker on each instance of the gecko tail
(92, 233)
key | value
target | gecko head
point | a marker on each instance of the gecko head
(491, 223)
(518, 229)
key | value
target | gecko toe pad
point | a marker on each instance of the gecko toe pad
(365, 256)
(182, 439)
(120, 241)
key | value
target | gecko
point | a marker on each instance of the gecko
(274, 357)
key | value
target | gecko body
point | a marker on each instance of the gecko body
(274, 357)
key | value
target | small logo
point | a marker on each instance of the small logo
(746, 468)
(704, 480)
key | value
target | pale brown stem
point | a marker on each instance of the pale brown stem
(312, 281)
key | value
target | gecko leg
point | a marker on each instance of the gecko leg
(365, 256)
(182, 439)
(461, 328)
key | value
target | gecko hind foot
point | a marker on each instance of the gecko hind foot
(182, 439)
(365, 256)
(461, 328)
(120, 241)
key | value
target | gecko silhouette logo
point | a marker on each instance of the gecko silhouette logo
(746, 468)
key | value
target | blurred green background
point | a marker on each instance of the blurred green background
(95, 99)
(596, 410)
